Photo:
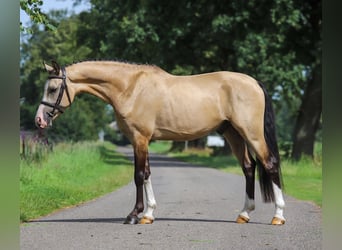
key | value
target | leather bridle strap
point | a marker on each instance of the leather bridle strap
(63, 87)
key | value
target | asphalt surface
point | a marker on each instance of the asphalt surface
(196, 209)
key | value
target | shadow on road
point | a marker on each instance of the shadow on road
(121, 220)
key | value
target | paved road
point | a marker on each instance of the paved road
(196, 209)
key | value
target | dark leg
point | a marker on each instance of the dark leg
(140, 160)
(248, 168)
(248, 165)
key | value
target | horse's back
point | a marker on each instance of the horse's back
(221, 93)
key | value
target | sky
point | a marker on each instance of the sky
(56, 4)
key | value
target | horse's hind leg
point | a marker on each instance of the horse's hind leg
(269, 178)
(248, 164)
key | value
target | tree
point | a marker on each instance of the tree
(33, 10)
(309, 114)
(309, 117)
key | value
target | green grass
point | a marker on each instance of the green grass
(71, 174)
(302, 179)
(160, 147)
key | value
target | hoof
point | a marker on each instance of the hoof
(242, 219)
(146, 220)
(277, 221)
(132, 220)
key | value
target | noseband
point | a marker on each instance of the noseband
(63, 87)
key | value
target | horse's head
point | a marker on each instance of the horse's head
(57, 96)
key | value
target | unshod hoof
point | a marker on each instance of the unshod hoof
(131, 220)
(146, 220)
(242, 219)
(277, 221)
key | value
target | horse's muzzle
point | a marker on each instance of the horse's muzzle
(43, 121)
(40, 123)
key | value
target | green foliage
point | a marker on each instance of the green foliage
(77, 123)
(72, 173)
(32, 9)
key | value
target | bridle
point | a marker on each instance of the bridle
(63, 87)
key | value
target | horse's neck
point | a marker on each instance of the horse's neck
(104, 80)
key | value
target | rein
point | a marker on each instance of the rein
(63, 87)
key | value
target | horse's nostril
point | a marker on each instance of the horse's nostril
(39, 122)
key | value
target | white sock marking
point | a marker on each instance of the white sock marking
(151, 202)
(279, 201)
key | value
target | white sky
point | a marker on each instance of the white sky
(56, 4)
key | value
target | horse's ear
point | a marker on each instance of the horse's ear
(48, 68)
(56, 67)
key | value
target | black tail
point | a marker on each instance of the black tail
(271, 141)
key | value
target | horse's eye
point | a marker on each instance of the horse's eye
(52, 90)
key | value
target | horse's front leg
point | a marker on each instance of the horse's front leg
(148, 217)
(140, 158)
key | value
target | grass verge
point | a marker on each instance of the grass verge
(302, 179)
(71, 174)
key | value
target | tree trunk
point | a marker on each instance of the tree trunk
(308, 118)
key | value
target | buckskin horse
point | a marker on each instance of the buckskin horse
(151, 104)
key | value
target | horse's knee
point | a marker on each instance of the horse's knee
(139, 177)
